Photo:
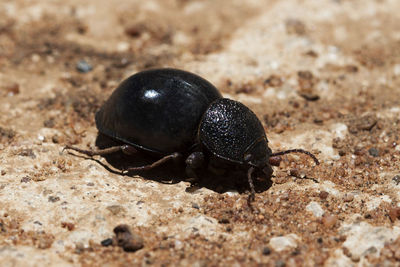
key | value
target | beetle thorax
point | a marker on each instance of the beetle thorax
(231, 131)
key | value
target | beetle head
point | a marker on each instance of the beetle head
(257, 155)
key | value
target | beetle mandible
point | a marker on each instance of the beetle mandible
(176, 115)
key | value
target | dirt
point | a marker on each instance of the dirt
(323, 76)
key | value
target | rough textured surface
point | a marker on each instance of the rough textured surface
(230, 130)
(321, 75)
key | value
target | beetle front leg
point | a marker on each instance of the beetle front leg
(126, 149)
(175, 157)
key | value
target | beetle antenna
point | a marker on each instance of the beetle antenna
(297, 150)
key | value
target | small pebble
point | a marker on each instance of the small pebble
(68, 225)
(355, 258)
(373, 152)
(394, 213)
(329, 220)
(178, 244)
(25, 179)
(106, 242)
(366, 123)
(323, 195)
(195, 206)
(348, 198)
(130, 242)
(396, 179)
(83, 66)
(116, 209)
(309, 96)
(53, 199)
(50, 123)
(295, 26)
(266, 251)
(297, 173)
(223, 220)
(368, 216)
(273, 81)
(275, 161)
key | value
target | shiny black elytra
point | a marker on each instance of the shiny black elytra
(174, 114)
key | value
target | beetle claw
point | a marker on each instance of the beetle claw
(250, 179)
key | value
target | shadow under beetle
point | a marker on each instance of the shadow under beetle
(177, 115)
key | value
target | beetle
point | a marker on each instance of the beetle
(175, 115)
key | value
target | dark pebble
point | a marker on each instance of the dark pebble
(274, 81)
(396, 179)
(295, 173)
(130, 242)
(373, 152)
(106, 242)
(49, 123)
(266, 251)
(318, 121)
(69, 226)
(83, 66)
(195, 206)
(25, 179)
(309, 96)
(323, 195)
(55, 139)
(224, 220)
(295, 252)
(275, 161)
(53, 199)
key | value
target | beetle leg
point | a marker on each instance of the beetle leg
(124, 148)
(252, 190)
(174, 156)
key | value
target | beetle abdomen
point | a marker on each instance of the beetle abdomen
(229, 129)
(157, 110)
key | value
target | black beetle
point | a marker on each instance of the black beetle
(175, 114)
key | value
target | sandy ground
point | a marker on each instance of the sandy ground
(321, 75)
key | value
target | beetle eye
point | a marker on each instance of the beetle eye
(248, 157)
